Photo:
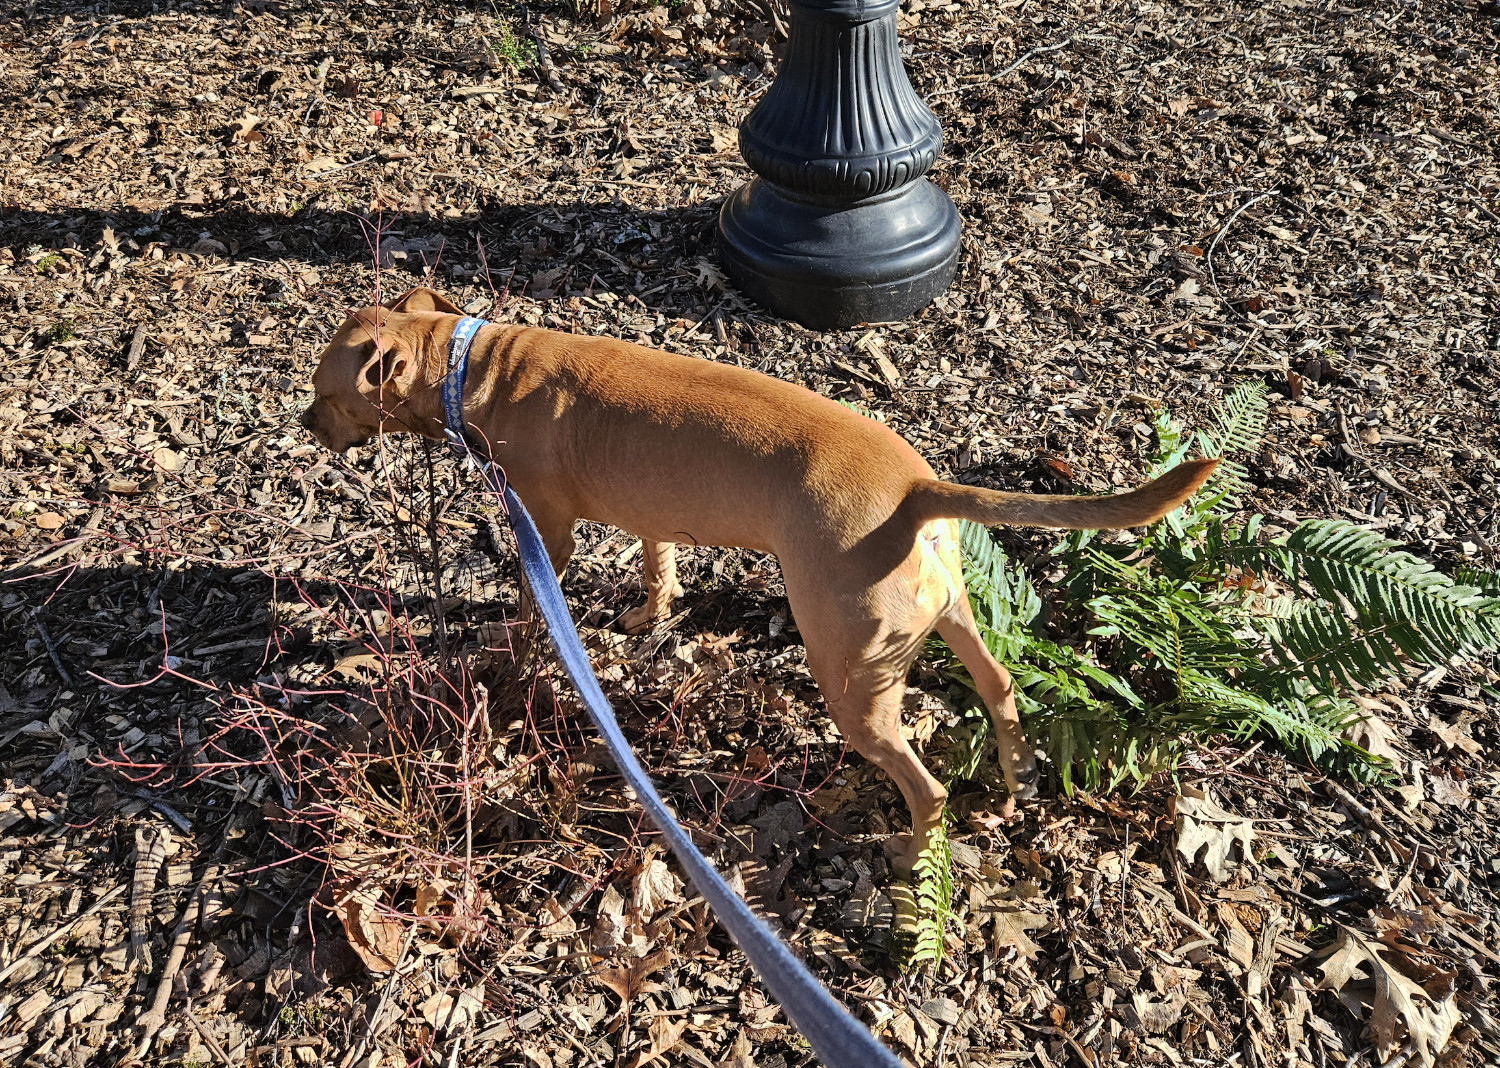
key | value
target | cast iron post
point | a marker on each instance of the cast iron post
(840, 227)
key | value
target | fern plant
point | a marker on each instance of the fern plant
(923, 908)
(1200, 626)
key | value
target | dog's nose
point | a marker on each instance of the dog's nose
(307, 419)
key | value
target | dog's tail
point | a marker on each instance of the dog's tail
(932, 499)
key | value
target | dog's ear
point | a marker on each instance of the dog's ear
(391, 358)
(422, 299)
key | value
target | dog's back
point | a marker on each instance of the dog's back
(674, 448)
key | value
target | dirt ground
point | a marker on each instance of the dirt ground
(210, 822)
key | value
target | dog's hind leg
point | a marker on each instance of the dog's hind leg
(866, 708)
(659, 576)
(860, 646)
(996, 689)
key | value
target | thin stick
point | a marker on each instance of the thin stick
(1220, 236)
(178, 820)
(208, 1039)
(63, 549)
(155, 1018)
(41, 630)
(1040, 50)
(345, 167)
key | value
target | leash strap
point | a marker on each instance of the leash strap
(839, 1040)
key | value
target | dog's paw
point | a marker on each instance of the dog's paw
(901, 851)
(1022, 784)
(637, 620)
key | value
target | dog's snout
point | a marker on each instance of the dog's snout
(309, 418)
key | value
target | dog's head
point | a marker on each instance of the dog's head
(373, 366)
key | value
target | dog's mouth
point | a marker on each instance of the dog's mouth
(312, 422)
(345, 445)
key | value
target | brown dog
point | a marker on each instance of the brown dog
(675, 449)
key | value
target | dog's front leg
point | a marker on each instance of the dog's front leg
(555, 525)
(659, 576)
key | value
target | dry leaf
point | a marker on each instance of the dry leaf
(49, 521)
(724, 139)
(430, 896)
(359, 666)
(631, 979)
(763, 886)
(244, 128)
(455, 1011)
(1204, 826)
(1446, 791)
(1185, 290)
(450, 908)
(739, 1053)
(1453, 736)
(1011, 925)
(556, 924)
(707, 274)
(1056, 466)
(609, 923)
(1402, 1015)
(375, 935)
(655, 888)
(1373, 734)
(1153, 1017)
(665, 1033)
(776, 827)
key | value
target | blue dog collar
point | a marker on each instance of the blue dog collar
(458, 370)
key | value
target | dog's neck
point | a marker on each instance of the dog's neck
(499, 372)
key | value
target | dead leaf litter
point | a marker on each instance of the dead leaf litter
(214, 847)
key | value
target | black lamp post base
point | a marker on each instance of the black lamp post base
(830, 267)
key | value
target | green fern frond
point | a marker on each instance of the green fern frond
(1003, 598)
(1172, 445)
(1486, 582)
(1339, 653)
(1388, 588)
(1133, 646)
(1241, 419)
(879, 417)
(925, 907)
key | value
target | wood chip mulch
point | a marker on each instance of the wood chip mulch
(219, 843)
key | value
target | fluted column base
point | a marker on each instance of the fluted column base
(831, 267)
